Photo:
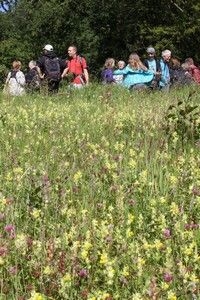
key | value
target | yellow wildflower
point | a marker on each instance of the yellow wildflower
(77, 176)
(36, 296)
(1, 261)
(47, 270)
(103, 258)
(171, 296)
(174, 208)
(36, 213)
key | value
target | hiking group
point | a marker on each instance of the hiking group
(152, 73)
(47, 72)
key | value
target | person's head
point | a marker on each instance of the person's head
(189, 61)
(166, 55)
(32, 64)
(151, 52)
(175, 63)
(48, 48)
(72, 51)
(109, 63)
(185, 66)
(121, 64)
(135, 62)
(16, 65)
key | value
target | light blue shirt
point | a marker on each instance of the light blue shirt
(132, 77)
(165, 75)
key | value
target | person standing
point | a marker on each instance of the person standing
(15, 80)
(76, 66)
(164, 82)
(49, 68)
(193, 70)
(32, 78)
(153, 64)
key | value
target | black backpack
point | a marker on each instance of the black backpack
(13, 74)
(52, 68)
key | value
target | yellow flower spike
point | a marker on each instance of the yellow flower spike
(36, 296)
(77, 177)
(171, 295)
(3, 203)
(103, 258)
(132, 163)
(129, 233)
(174, 209)
(66, 280)
(130, 219)
(47, 271)
(193, 278)
(173, 180)
(87, 245)
(36, 213)
(162, 200)
(1, 261)
(132, 153)
(125, 271)
(158, 244)
(110, 272)
(21, 242)
(137, 296)
(164, 286)
(84, 254)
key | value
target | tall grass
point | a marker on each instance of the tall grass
(96, 201)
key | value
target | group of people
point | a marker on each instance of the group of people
(47, 72)
(152, 73)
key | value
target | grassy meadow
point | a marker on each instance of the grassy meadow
(100, 195)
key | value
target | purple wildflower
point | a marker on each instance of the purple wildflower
(167, 233)
(168, 277)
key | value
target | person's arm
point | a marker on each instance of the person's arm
(39, 72)
(8, 78)
(64, 73)
(86, 75)
(121, 71)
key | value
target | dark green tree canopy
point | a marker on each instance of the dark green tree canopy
(99, 28)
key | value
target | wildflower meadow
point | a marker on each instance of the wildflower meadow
(100, 195)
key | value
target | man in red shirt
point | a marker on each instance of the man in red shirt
(77, 66)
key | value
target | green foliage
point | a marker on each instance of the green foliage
(94, 203)
(183, 120)
(100, 29)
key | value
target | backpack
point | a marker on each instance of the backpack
(52, 68)
(33, 80)
(13, 74)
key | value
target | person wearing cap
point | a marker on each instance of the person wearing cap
(49, 68)
(153, 64)
(76, 66)
(164, 83)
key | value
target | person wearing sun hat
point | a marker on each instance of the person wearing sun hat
(152, 63)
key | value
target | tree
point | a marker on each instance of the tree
(100, 28)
